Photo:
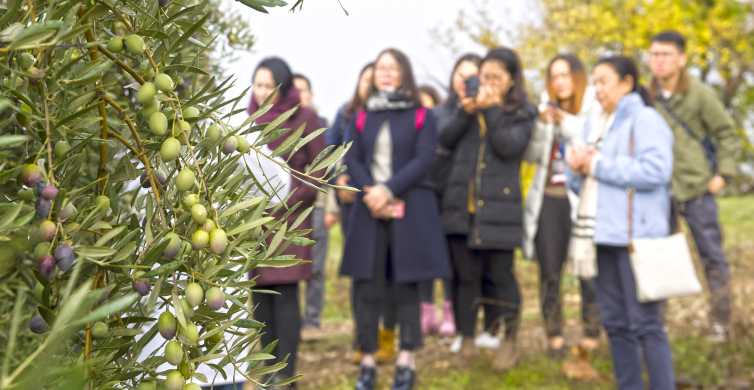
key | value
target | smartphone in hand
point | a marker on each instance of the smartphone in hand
(471, 85)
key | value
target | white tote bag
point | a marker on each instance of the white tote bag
(663, 267)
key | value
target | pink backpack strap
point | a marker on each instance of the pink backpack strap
(419, 118)
(361, 120)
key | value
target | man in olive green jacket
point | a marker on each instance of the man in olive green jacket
(704, 154)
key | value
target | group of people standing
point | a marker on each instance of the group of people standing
(442, 196)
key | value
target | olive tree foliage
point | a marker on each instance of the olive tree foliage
(127, 215)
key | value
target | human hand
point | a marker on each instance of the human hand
(377, 197)
(716, 184)
(331, 219)
(488, 96)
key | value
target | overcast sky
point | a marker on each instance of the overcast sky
(330, 47)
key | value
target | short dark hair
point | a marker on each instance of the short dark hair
(408, 82)
(300, 76)
(672, 37)
(516, 96)
(281, 73)
(625, 67)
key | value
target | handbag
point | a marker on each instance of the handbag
(663, 267)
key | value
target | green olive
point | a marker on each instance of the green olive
(158, 123)
(146, 93)
(170, 149)
(134, 44)
(164, 83)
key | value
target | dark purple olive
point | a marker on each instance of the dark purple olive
(141, 286)
(64, 257)
(43, 207)
(39, 187)
(49, 192)
(38, 324)
(146, 183)
(65, 264)
(62, 251)
(46, 267)
(144, 180)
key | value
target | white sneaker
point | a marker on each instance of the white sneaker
(455, 346)
(487, 341)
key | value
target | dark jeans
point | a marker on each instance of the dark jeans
(492, 313)
(702, 217)
(371, 295)
(635, 330)
(282, 318)
(315, 286)
(427, 290)
(469, 269)
(553, 237)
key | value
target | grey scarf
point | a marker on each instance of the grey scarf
(385, 101)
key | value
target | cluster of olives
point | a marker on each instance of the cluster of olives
(53, 254)
(187, 336)
(47, 258)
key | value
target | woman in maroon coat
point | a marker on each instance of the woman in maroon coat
(281, 313)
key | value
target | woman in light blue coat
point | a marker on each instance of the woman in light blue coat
(629, 147)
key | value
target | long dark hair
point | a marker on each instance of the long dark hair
(281, 73)
(516, 96)
(624, 67)
(578, 75)
(431, 92)
(408, 83)
(356, 101)
(468, 57)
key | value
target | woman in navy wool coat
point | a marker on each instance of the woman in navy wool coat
(394, 239)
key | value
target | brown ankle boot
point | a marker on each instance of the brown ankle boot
(386, 351)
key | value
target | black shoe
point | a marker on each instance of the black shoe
(367, 378)
(404, 378)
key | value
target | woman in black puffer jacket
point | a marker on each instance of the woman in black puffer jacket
(481, 204)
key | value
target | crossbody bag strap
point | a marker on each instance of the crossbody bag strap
(666, 106)
(631, 193)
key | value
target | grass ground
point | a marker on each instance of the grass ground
(324, 363)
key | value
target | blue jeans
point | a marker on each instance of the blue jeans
(635, 330)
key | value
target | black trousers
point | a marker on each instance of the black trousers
(551, 242)
(281, 315)
(470, 268)
(427, 290)
(371, 295)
